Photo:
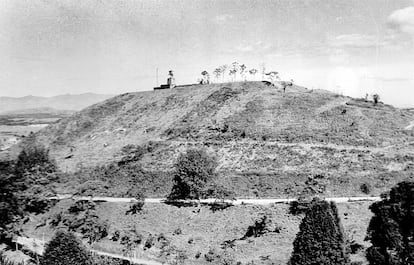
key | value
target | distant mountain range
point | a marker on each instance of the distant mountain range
(66, 102)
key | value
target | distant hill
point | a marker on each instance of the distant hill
(37, 111)
(267, 142)
(61, 102)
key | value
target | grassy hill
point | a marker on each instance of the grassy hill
(268, 143)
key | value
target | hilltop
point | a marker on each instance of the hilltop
(267, 142)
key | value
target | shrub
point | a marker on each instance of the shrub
(391, 229)
(320, 239)
(300, 206)
(65, 249)
(261, 226)
(138, 205)
(365, 188)
(34, 158)
(193, 170)
(81, 217)
(149, 242)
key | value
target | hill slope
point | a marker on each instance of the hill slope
(267, 142)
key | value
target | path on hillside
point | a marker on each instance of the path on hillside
(338, 147)
(239, 201)
(37, 246)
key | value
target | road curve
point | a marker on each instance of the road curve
(238, 201)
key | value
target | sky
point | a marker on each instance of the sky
(352, 47)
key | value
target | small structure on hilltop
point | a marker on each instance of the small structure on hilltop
(170, 82)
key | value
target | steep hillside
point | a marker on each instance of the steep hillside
(267, 142)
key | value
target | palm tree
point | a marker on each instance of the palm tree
(242, 71)
(235, 68)
(223, 69)
(217, 73)
(232, 73)
(253, 72)
(273, 75)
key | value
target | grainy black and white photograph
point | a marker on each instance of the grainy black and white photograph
(207, 132)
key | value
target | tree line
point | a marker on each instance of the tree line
(237, 71)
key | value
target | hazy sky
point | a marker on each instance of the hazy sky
(107, 46)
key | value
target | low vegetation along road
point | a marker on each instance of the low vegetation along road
(235, 202)
(37, 246)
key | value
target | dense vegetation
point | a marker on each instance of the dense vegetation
(391, 229)
(24, 186)
(321, 239)
(195, 177)
(66, 249)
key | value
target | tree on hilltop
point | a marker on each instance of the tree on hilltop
(391, 229)
(253, 72)
(217, 73)
(321, 239)
(223, 69)
(243, 72)
(193, 170)
(65, 249)
(234, 69)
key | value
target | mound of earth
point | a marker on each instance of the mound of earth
(268, 143)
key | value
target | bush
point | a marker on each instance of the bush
(81, 217)
(149, 242)
(320, 239)
(391, 229)
(34, 158)
(138, 205)
(300, 206)
(193, 170)
(65, 249)
(365, 188)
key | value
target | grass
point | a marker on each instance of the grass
(201, 229)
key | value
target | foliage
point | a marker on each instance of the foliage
(5, 261)
(139, 202)
(66, 249)
(10, 209)
(391, 229)
(193, 170)
(300, 206)
(119, 180)
(261, 226)
(24, 185)
(321, 239)
(81, 217)
(365, 188)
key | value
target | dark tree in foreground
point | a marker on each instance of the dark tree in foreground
(65, 249)
(193, 170)
(321, 240)
(391, 229)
